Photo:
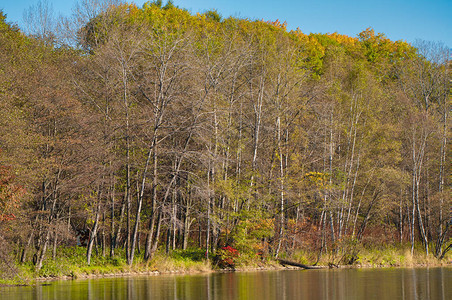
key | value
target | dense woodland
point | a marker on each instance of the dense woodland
(144, 129)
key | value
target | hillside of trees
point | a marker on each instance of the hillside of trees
(152, 129)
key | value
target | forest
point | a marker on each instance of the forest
(130, 131)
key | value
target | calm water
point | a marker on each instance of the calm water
(432, 283)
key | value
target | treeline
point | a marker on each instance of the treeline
(161, 129)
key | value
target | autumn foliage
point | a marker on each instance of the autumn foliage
(10, 195)
(155, 129)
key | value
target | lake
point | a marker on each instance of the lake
(415, 283)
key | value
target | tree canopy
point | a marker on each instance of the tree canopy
(163, 129)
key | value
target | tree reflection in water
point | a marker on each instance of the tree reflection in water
(420, 283)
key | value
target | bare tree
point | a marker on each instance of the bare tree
(40, 21)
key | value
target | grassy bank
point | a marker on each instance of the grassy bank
(383, 256)
(71, 263)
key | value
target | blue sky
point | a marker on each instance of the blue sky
(398, 19)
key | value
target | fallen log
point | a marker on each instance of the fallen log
(295, 264)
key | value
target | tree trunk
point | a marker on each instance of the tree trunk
(42, 252)
(93, 234)
(147, 250)
(55, 242)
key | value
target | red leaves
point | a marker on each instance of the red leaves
(226, 257)
(232, 251)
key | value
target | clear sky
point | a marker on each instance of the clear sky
(398, 19)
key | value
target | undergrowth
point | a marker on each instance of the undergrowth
(71, 261)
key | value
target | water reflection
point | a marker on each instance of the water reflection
(434, 283)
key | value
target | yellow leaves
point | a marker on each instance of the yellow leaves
(133, 10)
(231, 189)
(260, 224)
(317, 178)
(316, 49)
(343, 39)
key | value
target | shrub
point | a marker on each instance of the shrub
(225, 257)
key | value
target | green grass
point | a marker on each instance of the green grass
(71, 261)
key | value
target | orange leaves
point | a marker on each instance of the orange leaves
(343, 39)
(278, 24)
(10, 194)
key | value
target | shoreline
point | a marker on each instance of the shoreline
(190, 264)
(240, 270)
(44, 280)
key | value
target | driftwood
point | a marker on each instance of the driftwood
(295, 264)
